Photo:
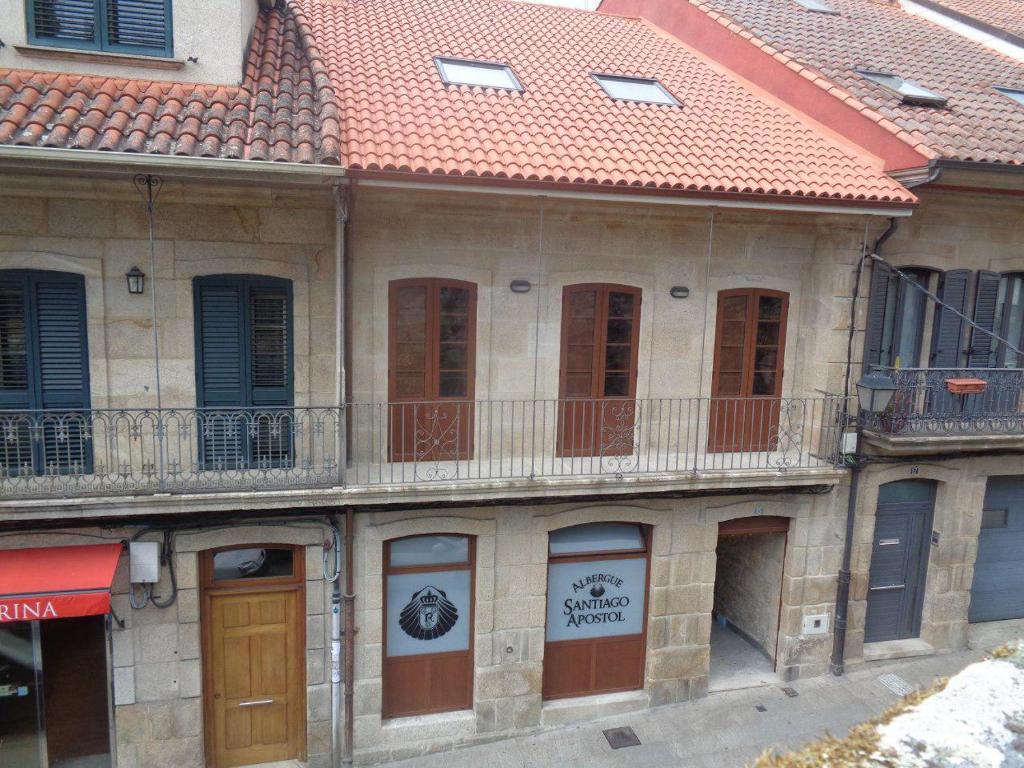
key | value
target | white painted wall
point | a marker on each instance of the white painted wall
(214, 31)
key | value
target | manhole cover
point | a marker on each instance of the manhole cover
(896, 684)
(791, 692)
(621, 737)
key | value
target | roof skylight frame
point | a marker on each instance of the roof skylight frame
(907, 91)
(667, 98)
(1017, 94)
(817, 6)
(441, 62)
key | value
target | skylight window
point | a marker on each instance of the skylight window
(636, 89)
(1014, 93)
(909, 92)
(817, 6)
(480, 73)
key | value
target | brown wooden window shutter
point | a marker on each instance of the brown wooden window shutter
(431, 367)
(598, 369)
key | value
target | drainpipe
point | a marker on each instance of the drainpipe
(335, 646)
(836, 666)
(341, 202)
(350, 634)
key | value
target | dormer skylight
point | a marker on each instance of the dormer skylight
(1014, 93)
(817, 6)
(908, 91)
(479, 73)
(644, 90)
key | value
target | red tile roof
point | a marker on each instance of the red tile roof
(354, 82)
(282, 111)
(977, 124)
(399, 116)
(1007, 15)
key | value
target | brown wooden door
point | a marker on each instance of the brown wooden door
(254, 668)
(746, 385)
(597, 382)
(431, 369)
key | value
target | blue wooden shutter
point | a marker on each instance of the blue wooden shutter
(65, 23)
(244, 369)
(137, 26)
(986, 295)
(63, 370)
(948, 334)
(875, 330)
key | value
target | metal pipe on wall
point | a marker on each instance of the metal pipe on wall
(341, 203)
(350, 634)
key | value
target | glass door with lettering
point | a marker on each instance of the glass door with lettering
(596, 610)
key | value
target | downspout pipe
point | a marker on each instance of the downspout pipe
(838, 662)
(350, 635)
(341, 203)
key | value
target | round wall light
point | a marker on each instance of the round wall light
(678, 291)
(520, 286)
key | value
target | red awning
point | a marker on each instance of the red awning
(56, 582)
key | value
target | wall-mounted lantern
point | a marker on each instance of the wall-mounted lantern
(678, 291)
(875, 391)
(519, 286)
(136, 280)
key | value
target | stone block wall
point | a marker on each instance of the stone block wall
(99, 229)
(748, 585)
(511, 603)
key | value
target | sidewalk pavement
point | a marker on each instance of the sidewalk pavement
(727, 729)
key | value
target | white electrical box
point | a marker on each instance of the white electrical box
(849, 442)
(144, 562)
(816, 624)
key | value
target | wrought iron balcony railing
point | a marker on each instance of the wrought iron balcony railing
(175, 450)
(925, 403)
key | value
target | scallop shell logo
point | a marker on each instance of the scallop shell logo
(429, 614)
(597, 590)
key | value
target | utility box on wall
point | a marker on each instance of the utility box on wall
(144, 562)
(816, 624)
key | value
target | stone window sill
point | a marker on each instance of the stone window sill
(99, 57)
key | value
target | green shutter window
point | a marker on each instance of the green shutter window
(44, 374)
(120, 26)
(244, 373)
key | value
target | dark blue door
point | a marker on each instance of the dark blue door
(998, 589)
(899, 560)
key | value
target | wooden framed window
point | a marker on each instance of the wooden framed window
(44, 370)
(429, 598)
(598, 370)
(245, 384)
(431, 368)
(596, 609)
(746, 382)
(142, 27)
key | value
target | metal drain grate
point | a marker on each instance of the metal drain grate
(760, 707)
(621, 737)
(791, 692)
(896, 684)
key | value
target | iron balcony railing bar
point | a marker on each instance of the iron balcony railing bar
(924, 405)
(180, 450)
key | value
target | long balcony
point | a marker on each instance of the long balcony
(949, 409)
(400, 451)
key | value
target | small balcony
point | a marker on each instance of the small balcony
(400, 452)
(939, 410)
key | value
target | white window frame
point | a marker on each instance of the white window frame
(915, 94)
(441, 63)
(1016, 94)
(668, 99)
